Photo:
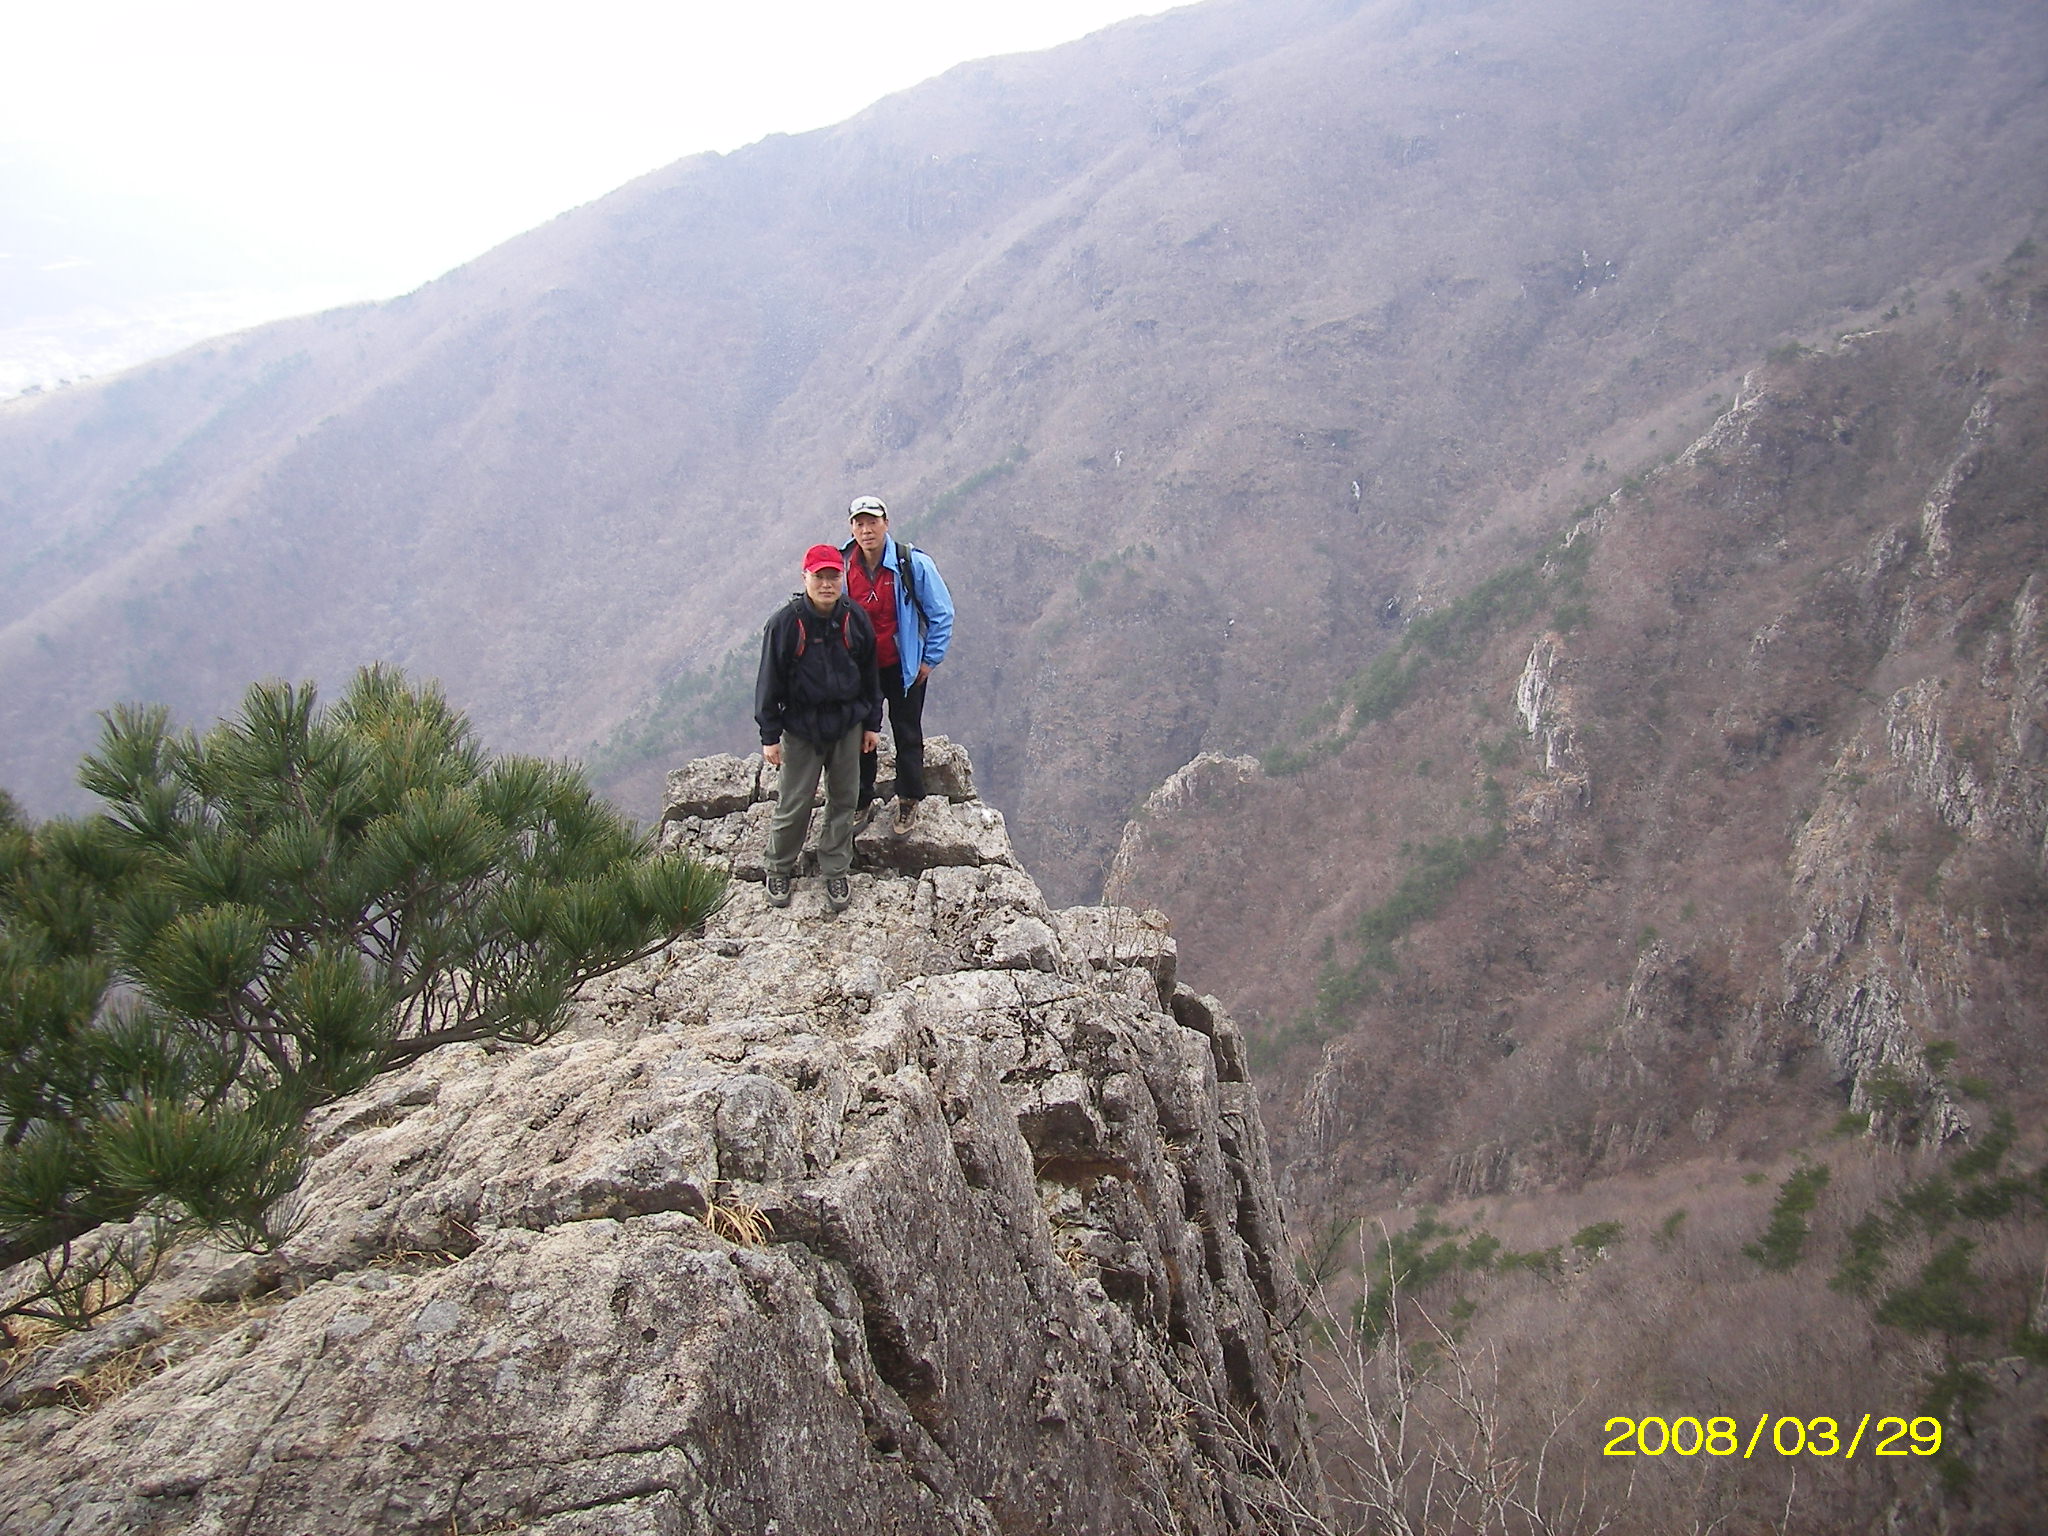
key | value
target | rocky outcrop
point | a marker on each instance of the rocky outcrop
(951, 1214)
(1918, 872)
(1548, 708)
(1208, 777)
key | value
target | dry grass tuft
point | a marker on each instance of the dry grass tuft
(188, 1327)
(113, 1377)
(27, 1337)
(412, 1261)
(502, 1524)
(739, 1221)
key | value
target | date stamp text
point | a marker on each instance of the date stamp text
(1783, 1435)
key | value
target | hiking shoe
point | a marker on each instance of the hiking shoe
(838, 894)
(906, 814)
(862, 815)
(778, 890)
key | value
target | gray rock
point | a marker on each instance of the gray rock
(947, 770)
(945, 832)
(1207, 777)
(1205, 1016)
(710, 787)
(927, 1218)
(1021, 943)
(1109, 938)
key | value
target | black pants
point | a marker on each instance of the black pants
(906, 724)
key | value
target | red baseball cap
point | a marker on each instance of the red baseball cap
(823, 557)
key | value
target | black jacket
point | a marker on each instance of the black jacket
(823, 693)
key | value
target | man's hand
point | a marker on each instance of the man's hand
(773, 752)
(870, 741)
(924, 671)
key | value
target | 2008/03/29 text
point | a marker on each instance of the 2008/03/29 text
(1787, 1436)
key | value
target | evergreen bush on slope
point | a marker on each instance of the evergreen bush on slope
(260, 919)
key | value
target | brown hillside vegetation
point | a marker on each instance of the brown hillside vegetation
(1173, 345)
(1619, 1359)
(1724, 799)
(1701, 846)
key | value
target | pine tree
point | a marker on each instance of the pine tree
(266, 916)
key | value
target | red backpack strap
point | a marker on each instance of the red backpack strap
(803, 633)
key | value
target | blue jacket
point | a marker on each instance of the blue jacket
(917, 644)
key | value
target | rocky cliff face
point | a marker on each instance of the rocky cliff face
(951, 1214)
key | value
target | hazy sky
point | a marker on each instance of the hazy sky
(168, 147)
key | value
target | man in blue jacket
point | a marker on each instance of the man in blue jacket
(907, 603)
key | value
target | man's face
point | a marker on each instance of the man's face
(822, 587)
(870, 533)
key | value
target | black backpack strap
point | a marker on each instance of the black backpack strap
(906, 572)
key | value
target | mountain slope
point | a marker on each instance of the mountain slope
(1180, 347)
(1720, 816)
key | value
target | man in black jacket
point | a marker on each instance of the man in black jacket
(818, 701)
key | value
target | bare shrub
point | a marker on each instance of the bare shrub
(1491, 1397)
(1419, 1436)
